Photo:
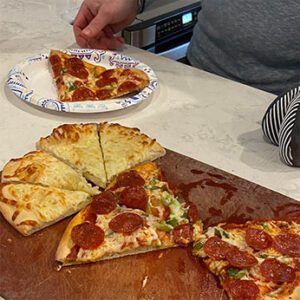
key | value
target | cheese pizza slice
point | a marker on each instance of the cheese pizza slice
(74, 78)
(29, 208)
(256, 260)
(39, 167)
(125, 147)
(78, 145)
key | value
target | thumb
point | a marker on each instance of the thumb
(95, 26)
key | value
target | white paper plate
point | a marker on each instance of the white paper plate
(31, 81)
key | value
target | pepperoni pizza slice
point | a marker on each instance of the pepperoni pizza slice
(73, 76)
(114, 83)
(137, 213)
(256, 260)
(78, 80)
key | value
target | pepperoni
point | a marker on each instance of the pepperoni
(218, 249)
(166, 212)
(55, 60)
(83, 93)
(130, 178)
(126, 223)
(276, 271)
(242, 289)
(127, 87)
(56, 70)
(73, 253)
(87, 236)
(107, 74)
(288, 244)
(106, 81)
(134, 197)
(130, 75)
(297, 264)
(258, 239)
(240, 259)
(182, 234)
(193, 214)
(76, 68)
(103, 94)
(90, 217)
(104, 203)
(215, 248)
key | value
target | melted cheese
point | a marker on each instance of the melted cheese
(78, 145)
(31, 207)
(39, 167)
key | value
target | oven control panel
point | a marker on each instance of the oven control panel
(175, 24)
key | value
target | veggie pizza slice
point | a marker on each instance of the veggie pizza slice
(137, 213)
(256, 260)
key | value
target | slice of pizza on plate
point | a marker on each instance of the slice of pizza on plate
(39, 167)
(74, 78)
(77, 145)
(29, 208)
(125, 147)
(256, 260)
(135, 214)
(78, 80)
(114, 83)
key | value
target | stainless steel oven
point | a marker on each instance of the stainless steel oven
(164, 28)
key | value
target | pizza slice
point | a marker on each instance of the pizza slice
(136, 213)
(78, 145)
(114, 83)
(256, 260)
(39, 167)
(125, 147)
(73, 76)
(29, 208)
(78, 80)
(143, 187)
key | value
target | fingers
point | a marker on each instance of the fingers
(96, 25)
(82, 19)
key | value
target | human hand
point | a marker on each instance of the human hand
(98, 20)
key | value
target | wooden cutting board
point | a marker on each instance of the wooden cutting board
(28, 269)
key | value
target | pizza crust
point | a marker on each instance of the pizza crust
(125, 147)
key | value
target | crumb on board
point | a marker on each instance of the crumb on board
(58, 267)
(160, 255)
(144, 281)
(9, 240)
(69, 271)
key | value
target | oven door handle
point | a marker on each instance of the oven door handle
(176, 53)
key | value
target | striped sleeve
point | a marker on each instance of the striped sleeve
(275, 114)
(289, 137)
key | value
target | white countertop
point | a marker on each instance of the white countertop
(195, 113)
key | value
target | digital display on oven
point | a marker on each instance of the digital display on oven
(187, 18)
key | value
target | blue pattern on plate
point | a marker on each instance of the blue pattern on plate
(18, 82)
